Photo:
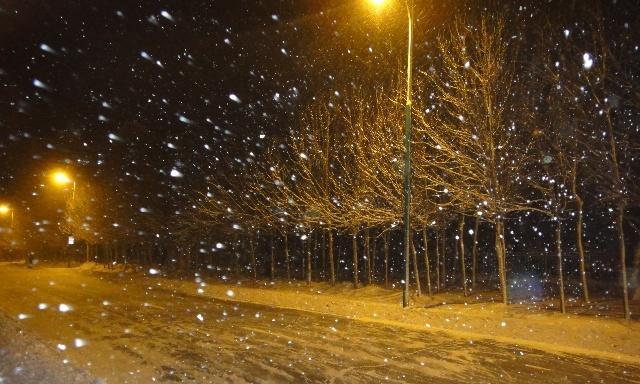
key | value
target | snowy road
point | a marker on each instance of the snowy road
(138, 331)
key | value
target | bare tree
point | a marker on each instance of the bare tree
(477, 152)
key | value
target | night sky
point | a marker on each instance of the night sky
(147, 100)
(125, 94)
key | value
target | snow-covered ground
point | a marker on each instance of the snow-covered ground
(25, 359)
(596, 329)
(130, 327)
(583, 330)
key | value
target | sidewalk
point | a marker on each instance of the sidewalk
(614, 339)
(473, 318)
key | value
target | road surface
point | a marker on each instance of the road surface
(123, 330)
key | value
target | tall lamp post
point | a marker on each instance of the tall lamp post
(406, 173)
(61, 179)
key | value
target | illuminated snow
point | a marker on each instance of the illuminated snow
(64, 308)
(587, 61)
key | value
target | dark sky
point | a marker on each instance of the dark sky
(135, 90)
(146, 99)
(129, 91)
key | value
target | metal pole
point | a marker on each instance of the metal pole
(406, 193)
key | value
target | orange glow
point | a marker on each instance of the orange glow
(60, 178)
(4, 209)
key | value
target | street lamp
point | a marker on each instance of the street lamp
(5, 209)
(406, 173)
(61, 178)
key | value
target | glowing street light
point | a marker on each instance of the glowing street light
(406, 173)
(5, 210)
(61, 179)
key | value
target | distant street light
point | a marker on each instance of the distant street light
(61, 179)
(406, 173)
(5, 210)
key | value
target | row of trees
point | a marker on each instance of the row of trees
(501, 132)
(534, 128)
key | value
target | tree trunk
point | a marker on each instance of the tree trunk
(635, 275)
(303, 259)
(191, 252)
(354, 244)
(617, 184)
(373, 260)
(427, 269)
(563, 304)
(367, 255)
(500, 254)
(87, 257)
(323, 256)
(272, 263)
(233, 264)
(546, 265)
(332, 269)
(135, 256)
(124, 255)
(309, 246)
(415, 266)
(463, 266)
(456, 251)
(386, 259)
(474, 253)
(198, 257)
(444, 256)
(437, 232)
(187, 257)
(252, 250)
(240, 252)
(623, 261)
(286, 256)
(579, 242)
(149, 254)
